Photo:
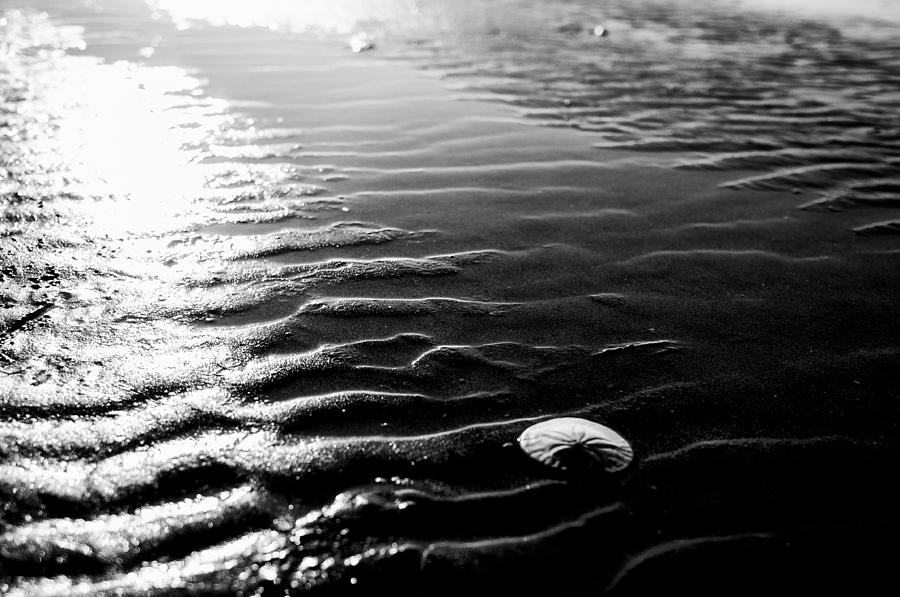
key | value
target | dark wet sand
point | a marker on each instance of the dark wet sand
(274, 313)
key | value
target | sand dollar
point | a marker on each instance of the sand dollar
(570, 443)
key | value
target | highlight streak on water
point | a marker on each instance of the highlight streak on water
(273, 313)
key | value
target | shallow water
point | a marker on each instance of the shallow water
(275, 312)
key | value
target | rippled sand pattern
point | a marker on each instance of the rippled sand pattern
(272, 320)
(808, 104)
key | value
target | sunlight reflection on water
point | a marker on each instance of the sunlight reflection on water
(314, 15)
(127, 141)
(131, 138)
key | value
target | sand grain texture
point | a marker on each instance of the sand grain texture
(273, 313)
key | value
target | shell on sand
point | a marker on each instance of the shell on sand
(569, 443)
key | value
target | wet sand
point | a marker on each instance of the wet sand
(275, 312)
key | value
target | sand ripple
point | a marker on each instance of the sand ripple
(273, 358)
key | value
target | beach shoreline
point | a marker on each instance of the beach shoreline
(275, 311)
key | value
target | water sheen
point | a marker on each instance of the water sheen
(274, 311)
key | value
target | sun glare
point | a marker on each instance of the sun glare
(134, 139)
(327, 16)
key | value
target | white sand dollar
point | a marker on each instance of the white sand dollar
(570, 443)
